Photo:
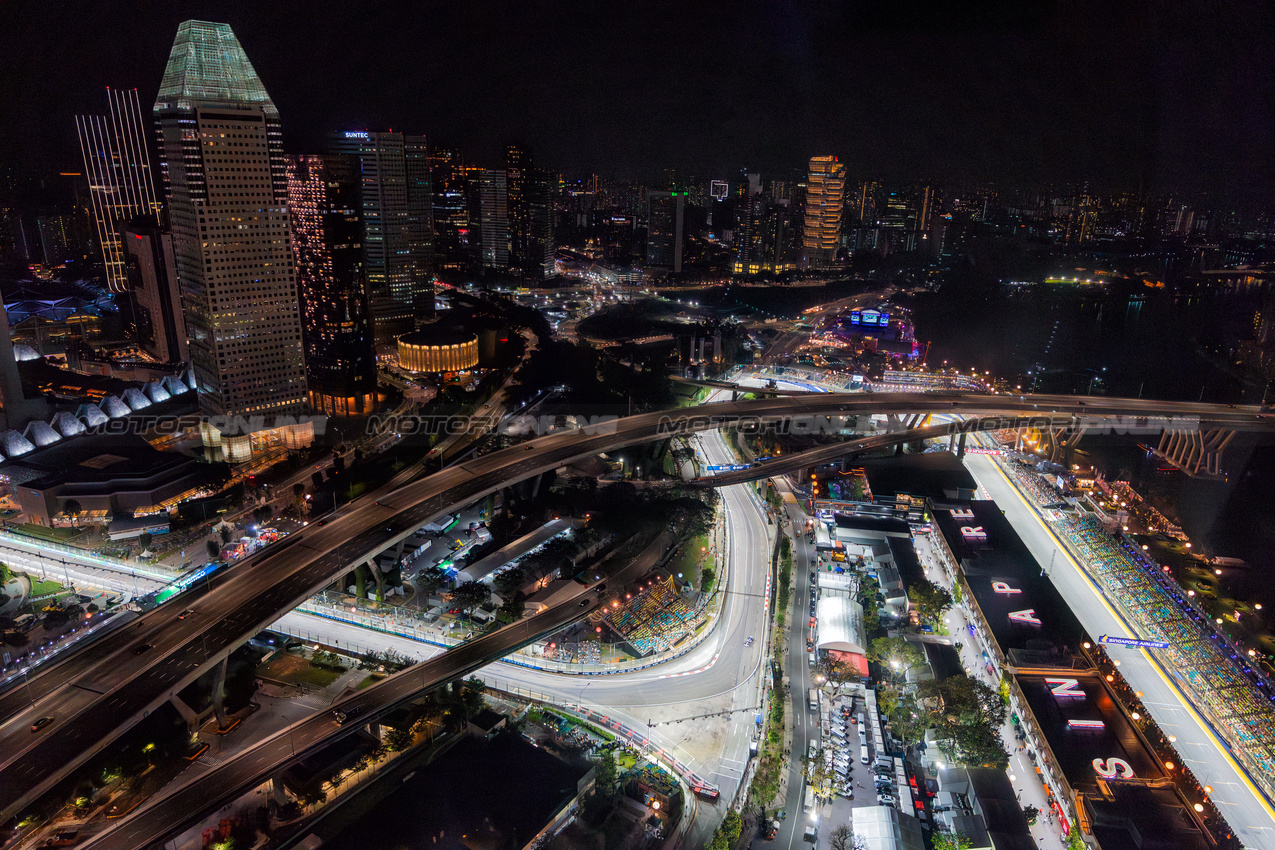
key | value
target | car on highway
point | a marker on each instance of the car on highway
(143, 648)
(183, 615)
(343, 715)
(749, 642)
(41, 723)
(583, 602)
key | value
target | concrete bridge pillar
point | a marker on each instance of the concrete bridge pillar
(219, 693)
(188, 714)
(278, 792)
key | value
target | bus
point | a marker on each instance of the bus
(809, 804)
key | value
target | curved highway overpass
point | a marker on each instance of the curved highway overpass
(94, 697)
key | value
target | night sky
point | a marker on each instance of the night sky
(1163, 95)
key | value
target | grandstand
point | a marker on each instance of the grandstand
(656, 619)
(1237, 700)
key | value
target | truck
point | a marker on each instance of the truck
(814, 699)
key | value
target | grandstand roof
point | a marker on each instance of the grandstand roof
(840, 624)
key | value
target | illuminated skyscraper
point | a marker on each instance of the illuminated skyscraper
(222, 160)
(665, 229)
(398, 238)
(530, 204)
(118, 167)
(825, 196)
(452, 225)
(865, 202)
(340, 362)
(493, 204)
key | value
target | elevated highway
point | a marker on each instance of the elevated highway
(171, 813)
(134, 671)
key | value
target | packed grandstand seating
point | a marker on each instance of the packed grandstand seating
(1235, 698)
(656, 618)
(1042, 492)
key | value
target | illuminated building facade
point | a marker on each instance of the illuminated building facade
(452, 225)
(493, 205)
(438, 350)
(117, 165)
(396, 199)
(530, 206)
(336, 326)
(222, 159)
(764, 230)
(665, 229)
(825, 197)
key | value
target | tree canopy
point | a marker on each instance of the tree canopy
(930, 599)
(896, 655)
(470, 595)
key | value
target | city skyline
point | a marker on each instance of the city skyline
(1021, 96)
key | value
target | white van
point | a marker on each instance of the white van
(863, 753)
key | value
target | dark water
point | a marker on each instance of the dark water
(1125, 338)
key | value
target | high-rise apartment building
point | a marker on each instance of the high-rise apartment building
(118, 167)
(336, 325)
(398, 233)
(665, 229)
(493, 205)
(825, 196)
(222, 162)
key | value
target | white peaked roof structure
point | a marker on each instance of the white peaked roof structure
(66, 424)
(41, 433)
(155, 391)
(114, 408)
(13, 444)
(840, 624)
(91, 415)
(135, 400)
(174, 385)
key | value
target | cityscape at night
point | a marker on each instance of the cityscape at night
(637, 426)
